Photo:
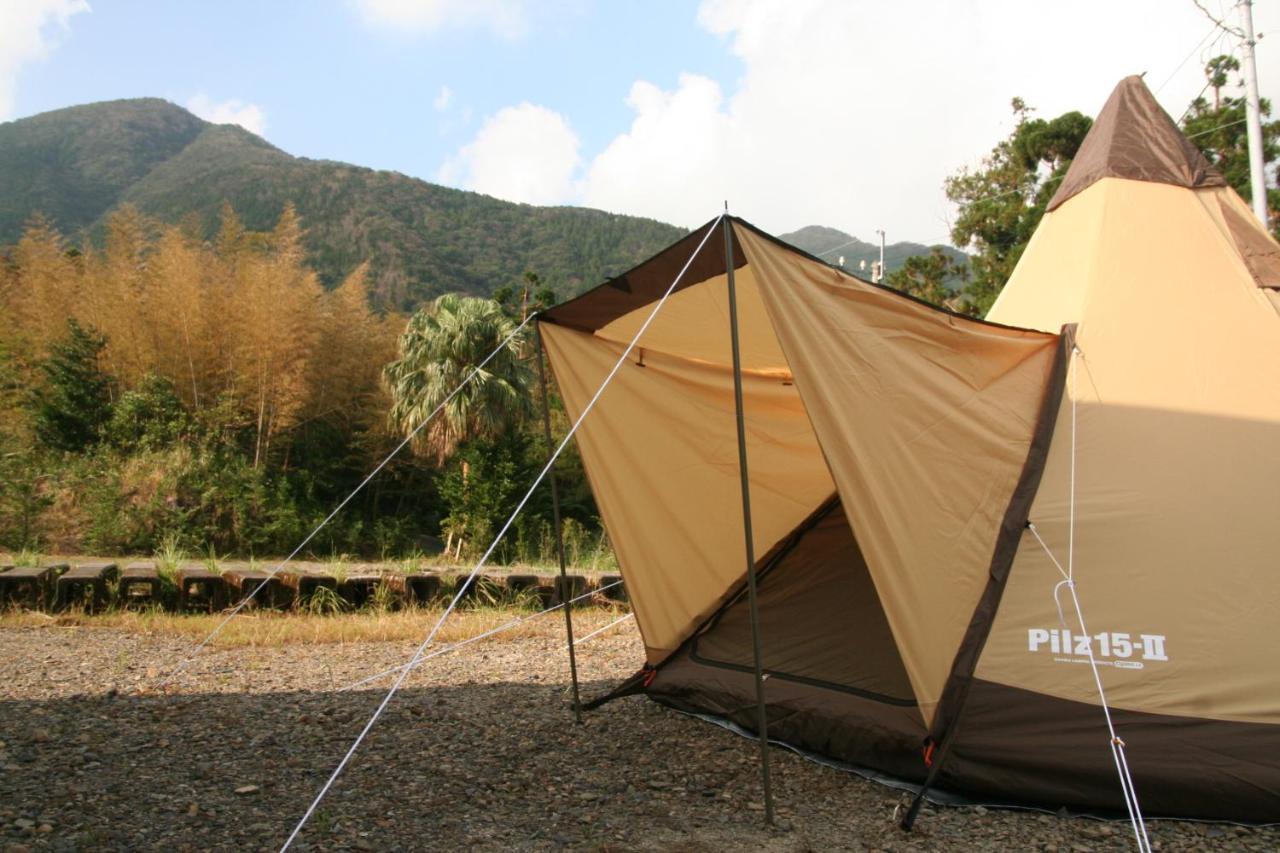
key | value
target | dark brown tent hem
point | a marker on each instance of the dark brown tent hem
(1183, 767)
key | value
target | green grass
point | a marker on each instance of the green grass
(322, 601)
(168, 560)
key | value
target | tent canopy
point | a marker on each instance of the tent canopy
(896, 454)
(661, 450)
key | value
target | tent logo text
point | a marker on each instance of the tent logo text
(1110, 648)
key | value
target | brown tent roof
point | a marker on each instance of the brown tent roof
(1134, 138)
(645, 283)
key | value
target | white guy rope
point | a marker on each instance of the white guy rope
(612, 624)
(498, 630)
(1117, 745)
(1127, 788)
(275, 571)
(417, 655)
(1036, 533)
(841, 246)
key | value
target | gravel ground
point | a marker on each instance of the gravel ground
(478, 751)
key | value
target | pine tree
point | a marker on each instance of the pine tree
(75, 401)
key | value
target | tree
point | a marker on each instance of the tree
(149, 417)
(1218, 129)
(1001, 203)
(440, 347)
(45, 287)
(277, 332)
(482, 486)
(226, 362)
(926, 276)
(529, 297)
(75, 402)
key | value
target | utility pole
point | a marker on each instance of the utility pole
(879, 271)
(1253, 115)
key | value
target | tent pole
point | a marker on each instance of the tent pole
(762, 723)
(555, 515)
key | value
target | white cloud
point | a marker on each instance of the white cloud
(505, 18)
(848, 114)
(676, 141)
(442, 101)
(525, 153)
(852, 114)
(29, 29)
(249, 116)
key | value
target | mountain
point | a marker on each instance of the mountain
(830, 244)
(75, 165)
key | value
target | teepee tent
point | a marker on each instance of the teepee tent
(917, 480)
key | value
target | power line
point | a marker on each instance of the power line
(1219, 127)
(1199, 45)
(1217, 22)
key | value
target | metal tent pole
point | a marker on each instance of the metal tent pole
(555, 515)
(762, 722)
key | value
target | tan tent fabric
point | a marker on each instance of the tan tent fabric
(661, 453)
(941, 436)
(1178, 460)
(694, 324)
(1134, 138)
(926, 419)
(1257, 248)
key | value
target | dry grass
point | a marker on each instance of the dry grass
(266, 629)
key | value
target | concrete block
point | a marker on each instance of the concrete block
(613, 593)
(357, 590)
(274, 595)
(27, 587)
(140, 585)
(420, 588)
(568, 587)
(304, 584)
(462, 586)
(539, 584)
(85, 585)
(200, 590)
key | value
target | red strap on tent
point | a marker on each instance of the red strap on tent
(649, 674)
(929, 745)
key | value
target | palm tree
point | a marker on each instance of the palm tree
(442, 344)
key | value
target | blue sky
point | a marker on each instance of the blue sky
(331, 85)
(838, 112)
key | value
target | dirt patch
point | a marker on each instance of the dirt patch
(479, 751)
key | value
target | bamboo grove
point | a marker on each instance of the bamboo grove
(158, 386)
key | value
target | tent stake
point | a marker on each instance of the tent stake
(555, 515)
(762, 722)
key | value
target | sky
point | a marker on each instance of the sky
(845, 113)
